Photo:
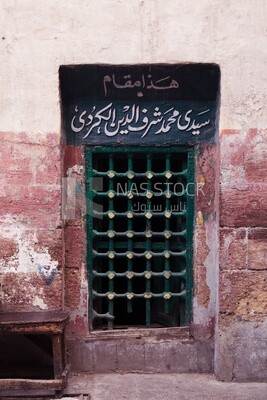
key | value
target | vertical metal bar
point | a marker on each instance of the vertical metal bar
(148, 245)
(110, 244)
(89, 218)
(189, 235)
(129, 240)
(167, 241)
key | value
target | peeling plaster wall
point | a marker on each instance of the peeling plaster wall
(241, 345)
(36, 38)
(31, 276)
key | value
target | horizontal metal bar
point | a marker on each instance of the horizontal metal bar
(114, 193)
(146, 254)
(147, 274)
(130, 214)
(143, 234)
(137, 174)
(107, 316)
(146, 295)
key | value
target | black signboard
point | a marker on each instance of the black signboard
(156, 104)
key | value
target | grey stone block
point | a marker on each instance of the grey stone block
(130, 356)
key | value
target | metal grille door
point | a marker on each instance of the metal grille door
(139, 229)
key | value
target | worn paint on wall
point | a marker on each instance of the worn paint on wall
(31, 231)
(34, 41)
(241, 350)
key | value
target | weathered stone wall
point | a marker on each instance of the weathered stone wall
(31, 274)
(43, 268)
(242, 327)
